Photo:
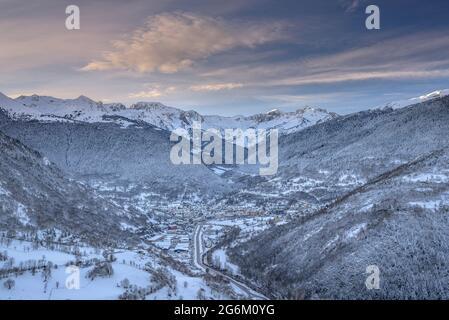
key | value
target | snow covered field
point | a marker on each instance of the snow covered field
(36, 273)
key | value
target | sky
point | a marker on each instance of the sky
(226, 57)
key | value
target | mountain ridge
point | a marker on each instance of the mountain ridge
(35, 195)
(381, 180)
(84, 109)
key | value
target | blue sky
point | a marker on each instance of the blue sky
(226, 57)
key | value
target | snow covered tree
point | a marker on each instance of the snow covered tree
(101, 269)
(9, 284)
(200, 295)
(124, 283)
(3, 256)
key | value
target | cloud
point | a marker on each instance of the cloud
(155, 92)
(350, 5)
(358, 76)
(416, 56)
(306, 98)
(216, 86)
(172, 42)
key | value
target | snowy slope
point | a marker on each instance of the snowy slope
(34, 194)
(407, 102)
(7, 103)
(44, 108)
(383, 174)
(134, 266)
(83, 109)
(286, 122)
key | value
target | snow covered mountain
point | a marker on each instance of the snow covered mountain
(356, 190)
(377, 184)
(286, 122)
(34, 195)
(83, 109)
(407, 102)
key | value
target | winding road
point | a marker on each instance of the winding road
(198, 259)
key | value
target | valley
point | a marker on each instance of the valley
(91, 206)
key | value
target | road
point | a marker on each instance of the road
(198, 259)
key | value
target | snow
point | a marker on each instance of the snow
(349, 180)
(128, 264)
(165, 244)
(312, 233)
(435, 94)
(221, 257)
(367, 207)
(125, 226)
(331, 243)
(32, 287)
(427, 177)
(44, 108)
(21, 214)
(219, 170)
(22, 252)
(430, 204)
(243, 223)
(355, 231)
(46, 161)
(3, 191)
(188, 292)
(408, 102)
(182, 246)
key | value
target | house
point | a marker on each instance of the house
(181, 247)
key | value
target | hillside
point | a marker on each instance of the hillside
(395, 216)
(35, 195)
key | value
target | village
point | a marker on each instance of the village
(176, 225)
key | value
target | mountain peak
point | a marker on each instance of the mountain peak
(306, 108)
(142, 104)
(408, 102)
(84, 98)
(6, 101)
(151, 106)
(46, 108)
(435, 94)
(3, 96)
(274, 112)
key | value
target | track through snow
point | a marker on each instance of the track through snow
(198, 260)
